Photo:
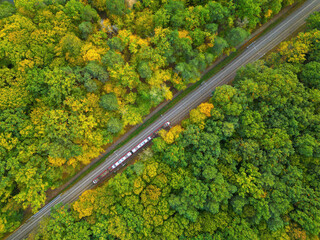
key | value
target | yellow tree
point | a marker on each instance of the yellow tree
(151, 169)
(150, 195)
(7, 141)
(89, 152)
(34, 187)
(125, 75)
(13, 97)
(57, 162)
(206, 108)
(138, 185)
(144, 24)
(137, 43)
(130, 115)
(197, 117)
(170, 136)
(167, 94)
(84, 205)
(295, 50)
(91, 53)
(117, 227)
(159, 77)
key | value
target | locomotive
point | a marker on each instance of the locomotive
(129, 154)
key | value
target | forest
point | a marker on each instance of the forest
(244, 165)
(71, 81)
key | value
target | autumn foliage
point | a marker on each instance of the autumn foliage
(70, 82)
(245, 165)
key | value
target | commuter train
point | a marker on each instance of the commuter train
(129, 154)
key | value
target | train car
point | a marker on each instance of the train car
(109, 170)
(102, 175)
(141, 144)
(117, 163)
(128, 154)
(149, 138)
(167, 124)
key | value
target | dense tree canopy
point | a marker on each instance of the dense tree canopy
(6, 9)
(244, 165)
(70, 82)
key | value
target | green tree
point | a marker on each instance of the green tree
(310, 74)
(109, 102)
(114, 125)
(212, 28)
(218, 12)
(6, 9)
(91, 85)
(112, 58)
(115, 43)
(236, 36)
(307, 145)
(192, 198)
(252, 125)
(116, 7)
(97, 71)
(313, 21)
(176, 11)
(188, 72)
(64, 225)
(86, 29)
(248, 11)
(71, 45)
(219, 45)
(144, 70)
